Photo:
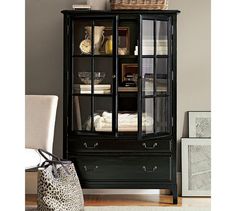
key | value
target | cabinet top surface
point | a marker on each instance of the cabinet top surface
(101, 12)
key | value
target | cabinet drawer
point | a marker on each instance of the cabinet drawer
(135, 168)
(86, 145)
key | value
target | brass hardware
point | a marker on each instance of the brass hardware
(92, 169)
(149, 171)
(92, 147)
(151, 147)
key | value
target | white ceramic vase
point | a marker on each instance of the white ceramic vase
(98, 36)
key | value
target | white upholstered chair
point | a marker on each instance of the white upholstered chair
(40, 116)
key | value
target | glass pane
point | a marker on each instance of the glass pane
(147, 76)
(148, 37)
(81, 112)
(127, 112)
(103, 71)
(81, 39)
(163, 115)
(127, 36)
(103, 114)
(199, 167)
(161, 38)
(82, 75)
(147, 116)
(162, 76)
(103, 36)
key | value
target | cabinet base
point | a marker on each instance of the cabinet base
(132, 185)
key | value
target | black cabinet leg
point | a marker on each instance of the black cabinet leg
(175, 194)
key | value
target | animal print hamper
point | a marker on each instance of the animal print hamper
(59, 187)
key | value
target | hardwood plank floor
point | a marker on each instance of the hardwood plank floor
(134, 200)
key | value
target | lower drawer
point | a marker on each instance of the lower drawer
(91, 145)
(139, 168)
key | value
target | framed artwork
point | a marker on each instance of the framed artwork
(196, 166)
(129, 72)
(199, 124)
(123, 39)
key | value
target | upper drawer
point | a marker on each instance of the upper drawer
(117, 167)
(91, 145)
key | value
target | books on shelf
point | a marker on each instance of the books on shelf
(87, 88)
(81, 7)
(95, 91)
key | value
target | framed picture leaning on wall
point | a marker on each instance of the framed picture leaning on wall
(196, 166)
(199, 123)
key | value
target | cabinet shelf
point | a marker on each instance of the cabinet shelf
(128, 56)
(157, 56)
(95, 95)
(119, 56)
(90, 55)
(157, 95)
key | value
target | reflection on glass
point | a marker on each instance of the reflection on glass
(100, 34)
(103, 114)
(82, 75)
(161, 38)
(148, 39)
(162, 112)
(147, 116)
(148, 75)
(104, 71)
(103, 36)
(162, 76)
(81, 112)
(82, 41)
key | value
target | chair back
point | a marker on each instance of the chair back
(40, 116)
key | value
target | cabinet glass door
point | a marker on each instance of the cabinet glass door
(155, 72)
(93, 74)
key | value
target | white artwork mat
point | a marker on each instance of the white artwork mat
(199, 124)
(196, 167)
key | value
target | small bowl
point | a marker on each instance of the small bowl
(85, 77)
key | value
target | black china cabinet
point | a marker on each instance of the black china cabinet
(120, 98)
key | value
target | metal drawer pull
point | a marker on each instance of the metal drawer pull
(92, 169)
(92, 147)
(153, 146)
(149, 171)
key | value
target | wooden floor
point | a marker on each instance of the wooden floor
(134, 200)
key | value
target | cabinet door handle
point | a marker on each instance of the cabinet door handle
(90, 169)
(90, 147)
(149, 170)
(151, 147)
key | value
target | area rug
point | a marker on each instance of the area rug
(135, 208)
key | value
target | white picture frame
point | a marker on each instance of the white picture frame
(196, 166)
(199, 124)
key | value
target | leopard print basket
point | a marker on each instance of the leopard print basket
(58, 186)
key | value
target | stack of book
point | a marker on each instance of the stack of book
(81, 7)
(87, 88)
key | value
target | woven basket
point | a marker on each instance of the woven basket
(139, 4)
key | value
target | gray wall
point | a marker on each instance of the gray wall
(44, 56)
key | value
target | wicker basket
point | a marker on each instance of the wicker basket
(139, 4)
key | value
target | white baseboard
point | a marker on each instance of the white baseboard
(31, 187)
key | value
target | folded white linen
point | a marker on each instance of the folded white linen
(127, 118)
(126, 122)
